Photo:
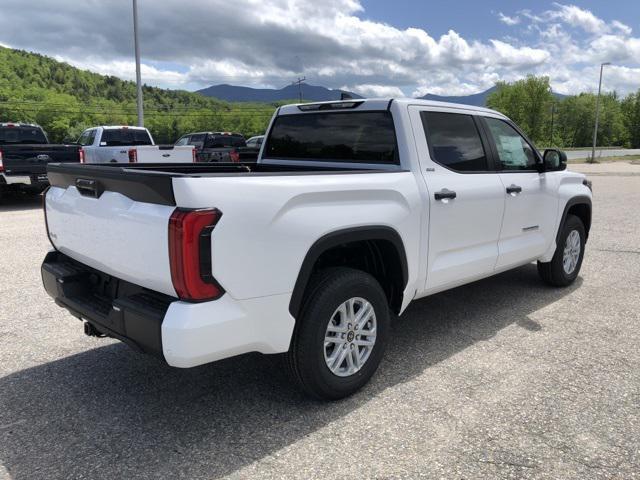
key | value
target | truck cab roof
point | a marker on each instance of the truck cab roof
(376, 104)
(118, 127)
(19, 124)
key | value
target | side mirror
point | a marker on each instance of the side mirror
(554, 160)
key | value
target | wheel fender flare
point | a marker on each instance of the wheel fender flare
(338, 237)
(577, 200)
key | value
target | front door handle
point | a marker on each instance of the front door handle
(445, 194)
(514, 189)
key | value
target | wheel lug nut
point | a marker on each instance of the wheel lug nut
(349, 326)
(344, 335)
(344, 346)
(352, 345)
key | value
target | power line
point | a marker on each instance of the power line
(299, 83)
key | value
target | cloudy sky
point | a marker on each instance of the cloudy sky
(373, 47)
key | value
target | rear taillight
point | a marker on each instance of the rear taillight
(81, 155)
(190, 254)
(133, 155)
(1, 162)
(234, 156)
(193, 155)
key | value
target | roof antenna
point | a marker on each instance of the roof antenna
(345, 96)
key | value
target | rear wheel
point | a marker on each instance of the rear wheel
(565, 265)
(340, 335)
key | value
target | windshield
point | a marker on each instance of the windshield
(113, 137)
(22, 135)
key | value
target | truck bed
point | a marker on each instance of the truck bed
(152, 182)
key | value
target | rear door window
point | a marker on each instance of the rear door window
(113, 137)
(454, 141)
(354, 137)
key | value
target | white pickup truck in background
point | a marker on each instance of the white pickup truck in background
(354, 210)
(125, 144)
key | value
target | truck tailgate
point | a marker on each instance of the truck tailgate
(164, 153)
(121, 236)
(33, 159)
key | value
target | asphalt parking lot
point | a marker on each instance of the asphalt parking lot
(504, 378)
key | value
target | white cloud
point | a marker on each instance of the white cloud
(511, 21)
(578, 17)
(373, 91)
(271, 42)
(621, 27)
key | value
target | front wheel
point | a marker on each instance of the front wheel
(341, 333)
(565, 265)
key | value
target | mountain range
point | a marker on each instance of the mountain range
(477, 99)
(232, 93)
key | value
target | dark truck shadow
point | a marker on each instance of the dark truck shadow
(11, 201)
(112, 413)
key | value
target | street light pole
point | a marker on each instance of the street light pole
(138, 76)
(595, 129)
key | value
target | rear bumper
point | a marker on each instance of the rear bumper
(14, 179)
(183, 334)
(36, 179)
(114, 307)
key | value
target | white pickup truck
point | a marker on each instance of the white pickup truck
(355, 209)
(124, 144)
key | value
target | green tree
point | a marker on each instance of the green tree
(527, 102)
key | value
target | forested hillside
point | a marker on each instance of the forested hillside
(65, 100)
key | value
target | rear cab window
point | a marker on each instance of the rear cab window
(21, 134)
(113, 137)
(344, 137)
(225, 141)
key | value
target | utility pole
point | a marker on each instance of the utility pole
(299, 83)
(553, 111)
(595, 129)
(138, 76)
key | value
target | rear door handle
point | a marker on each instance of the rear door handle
(514, 189)
(444, 194)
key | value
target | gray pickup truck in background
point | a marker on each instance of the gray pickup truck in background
(220, 147)
(25, 152)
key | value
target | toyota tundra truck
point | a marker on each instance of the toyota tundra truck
(354, 210)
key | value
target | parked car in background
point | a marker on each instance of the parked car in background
(125, 144)
(255, 142)
(25, 152)
(216, 146)
(354, 210)
(251, 151)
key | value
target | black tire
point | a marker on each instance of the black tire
(553, 272)
(328, 290)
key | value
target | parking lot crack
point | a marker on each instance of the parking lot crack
(613, 250)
